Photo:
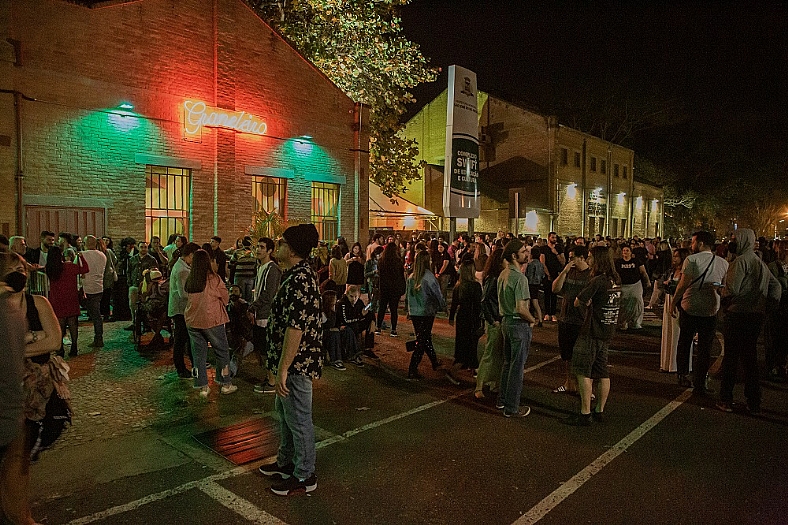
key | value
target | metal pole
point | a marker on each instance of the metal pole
(20, 175)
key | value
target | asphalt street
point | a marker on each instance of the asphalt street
(393, 451)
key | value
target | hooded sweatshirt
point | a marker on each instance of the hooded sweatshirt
(749, 285)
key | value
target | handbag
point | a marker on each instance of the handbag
(410, 346)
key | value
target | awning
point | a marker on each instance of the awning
(382, 206)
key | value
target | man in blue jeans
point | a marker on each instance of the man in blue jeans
(295, 355)
(513, 299)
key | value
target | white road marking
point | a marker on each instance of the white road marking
(239, 505)
(207, 484)
(541, 509)
(540, 365)
(150, 498)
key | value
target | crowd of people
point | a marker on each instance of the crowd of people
(297, 303)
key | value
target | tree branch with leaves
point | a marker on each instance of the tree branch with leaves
(358, 44)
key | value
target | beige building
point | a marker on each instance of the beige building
(537, 175)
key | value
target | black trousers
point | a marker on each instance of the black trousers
(741, 333)
(106, 300)
(777, 342)
(550, 299)
(120, 300)
(705, 328)
(390, 301)
(422, 325)
(181, 344)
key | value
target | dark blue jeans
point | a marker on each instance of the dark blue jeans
(516, 345)
(296, 430)
(93, 306)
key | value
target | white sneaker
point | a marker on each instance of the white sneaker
(204, 391)
(229, 389)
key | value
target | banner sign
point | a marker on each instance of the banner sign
(461, 169)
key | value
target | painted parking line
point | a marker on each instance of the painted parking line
(541, 509)
(207, 484)
(540, 365)
(239, 505)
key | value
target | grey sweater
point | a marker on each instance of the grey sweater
(749, 285)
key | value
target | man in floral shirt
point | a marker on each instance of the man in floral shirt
(295, 356)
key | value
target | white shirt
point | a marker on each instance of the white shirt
(93, 281)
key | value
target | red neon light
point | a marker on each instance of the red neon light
(199, 114)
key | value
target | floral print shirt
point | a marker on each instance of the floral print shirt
(297, 305)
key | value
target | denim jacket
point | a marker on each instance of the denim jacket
(426, 301)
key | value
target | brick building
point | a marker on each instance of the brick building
(158, 116)
(537, 175)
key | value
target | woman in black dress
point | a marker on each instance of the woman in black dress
(392, 285)
(466, 303)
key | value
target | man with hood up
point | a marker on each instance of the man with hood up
(750, 290)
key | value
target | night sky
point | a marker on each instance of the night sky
(720, 68)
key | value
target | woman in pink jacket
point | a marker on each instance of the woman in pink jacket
(206, 315)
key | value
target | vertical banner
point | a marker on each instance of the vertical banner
(461, 169)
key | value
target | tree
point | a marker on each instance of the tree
(358, 45)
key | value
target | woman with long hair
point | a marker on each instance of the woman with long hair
(205, 316)
(355, 265)
(480, 260)
(661, 272)
(633, 274)
(180, 242)
(38, 338)
(64, 294)
(589, 358)
(777, 342)
(156, 250)
(391, 280)
(110, 276)
(443, 268)
(492, 358)
(337, 270)
(670, 324)
(424, 299)
(466, 303)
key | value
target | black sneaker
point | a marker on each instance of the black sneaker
(521, 412)
(293, 485)
(369, 353)
(273, 469)
(578, 420)
(415, 376)
(599, 417)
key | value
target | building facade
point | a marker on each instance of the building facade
(537, 175)
(156, 117)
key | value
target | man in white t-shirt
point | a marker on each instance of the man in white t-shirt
(696, 302)
(93, 285)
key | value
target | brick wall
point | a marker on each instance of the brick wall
(80, 64)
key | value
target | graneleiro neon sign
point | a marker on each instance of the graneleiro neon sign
(199, 114)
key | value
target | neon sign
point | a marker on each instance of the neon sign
(199, 114)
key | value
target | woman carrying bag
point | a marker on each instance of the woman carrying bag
(424, 299)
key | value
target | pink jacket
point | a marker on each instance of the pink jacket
(207, 309)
